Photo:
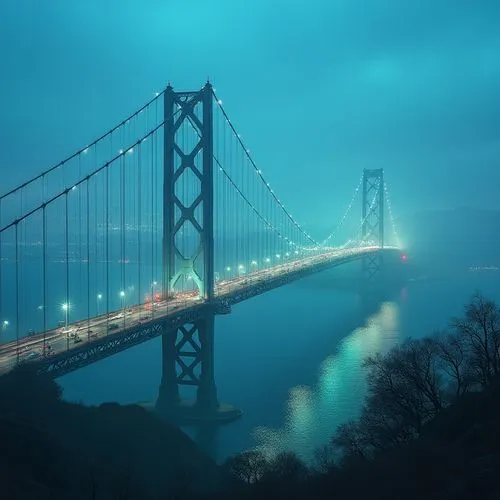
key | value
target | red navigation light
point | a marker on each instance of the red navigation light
(404, 257)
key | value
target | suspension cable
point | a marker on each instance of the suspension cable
(84, 179)
(346, 213)
(238, 190)
(259, 172)
(84, 149)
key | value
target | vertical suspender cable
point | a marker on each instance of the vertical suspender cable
(122, 232)
(67, 307)
(17, 291)
(1, 267)
(139, 219)
(78, 209)
(44, 264)
(155, 194)
(225, 210)
(106, 223)
(152, 232)
(96, 251)
(88, 259)
(44, 275)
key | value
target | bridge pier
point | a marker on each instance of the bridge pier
(188, 359)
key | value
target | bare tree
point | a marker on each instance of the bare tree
(324, 459)
(286, 466)
(248, 466)
(406, 385)
(349, 439)
(385, 423)
(481, 329)
(405, 390)
(454, 361)
(421, 369)
(406, 381)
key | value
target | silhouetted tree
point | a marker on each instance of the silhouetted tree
(481, 329)
(286, 467)
(404, 391)
(454, 360)
(248, 466)
(384, 423)
(349, 439)
(324, 459)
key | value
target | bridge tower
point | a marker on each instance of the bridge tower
(188, 349)
(372, 228)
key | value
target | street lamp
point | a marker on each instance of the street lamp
(99, 298)
(122, 296)
(65, 308)
(5, 324)
(153, 298)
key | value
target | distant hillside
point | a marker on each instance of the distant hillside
(57, 450)
(458, 237)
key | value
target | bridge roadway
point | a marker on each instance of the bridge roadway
(86, 341)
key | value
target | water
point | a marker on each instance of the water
(291, 358)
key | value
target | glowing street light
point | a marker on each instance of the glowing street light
(65, 308)
(153, 285)
(122, 297)
(99, 299)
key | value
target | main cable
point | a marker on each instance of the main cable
(84, 149)
(259, 172)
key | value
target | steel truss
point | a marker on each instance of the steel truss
(188, 359)
(195, 108)
(66, 362)
(372, 228)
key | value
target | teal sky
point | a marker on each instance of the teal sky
(320, 89)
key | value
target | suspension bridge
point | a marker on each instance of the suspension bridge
(153, 229)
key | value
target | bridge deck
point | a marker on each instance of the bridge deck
(103, 336)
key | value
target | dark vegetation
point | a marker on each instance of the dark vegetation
(51, 449)
(428, 429)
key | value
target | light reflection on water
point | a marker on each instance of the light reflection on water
(313, 413)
